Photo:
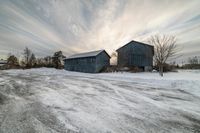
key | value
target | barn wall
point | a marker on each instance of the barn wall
(88, 64)
(102, 61)
(142, 55)
(123, 55)
(81, 64)
(135, 54)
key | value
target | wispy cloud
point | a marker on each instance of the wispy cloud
(76, 26)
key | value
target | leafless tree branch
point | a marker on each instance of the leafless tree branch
(165, 47)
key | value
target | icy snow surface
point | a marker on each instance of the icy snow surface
(58, 101)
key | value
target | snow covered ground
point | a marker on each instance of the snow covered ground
(57, 101)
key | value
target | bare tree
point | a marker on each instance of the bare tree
(165, 47)
(48, 61)
(27, 55)
(32, 60)
(113, 60)
(40, 62)
(193, 60)
(22, 64)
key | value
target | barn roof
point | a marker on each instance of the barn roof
(3, 61)
(87, 54)
(133, 41)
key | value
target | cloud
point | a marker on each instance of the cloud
(76, 26)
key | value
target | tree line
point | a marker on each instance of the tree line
(165, 48)
(193, 63)
(29, 60)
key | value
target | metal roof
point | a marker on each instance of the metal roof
(133, 41)
(3, 61)
(87, 54)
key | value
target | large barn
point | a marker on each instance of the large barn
(90, 62)
(136, 54)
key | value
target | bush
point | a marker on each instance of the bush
(191, 66)
(167, 68)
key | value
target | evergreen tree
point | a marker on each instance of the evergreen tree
(57, 59)
(12, 62)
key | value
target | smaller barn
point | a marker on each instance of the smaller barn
(90, 62)
(136, 54)
(3, 64)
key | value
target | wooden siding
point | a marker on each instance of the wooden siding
(102, 61)
(80, 64)
(88, 64)
(135, 54)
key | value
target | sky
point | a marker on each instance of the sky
(74, 26)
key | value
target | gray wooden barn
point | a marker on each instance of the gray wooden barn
(136, 54)
(3, 64)
(90, 62)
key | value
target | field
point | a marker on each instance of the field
(57, 101)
